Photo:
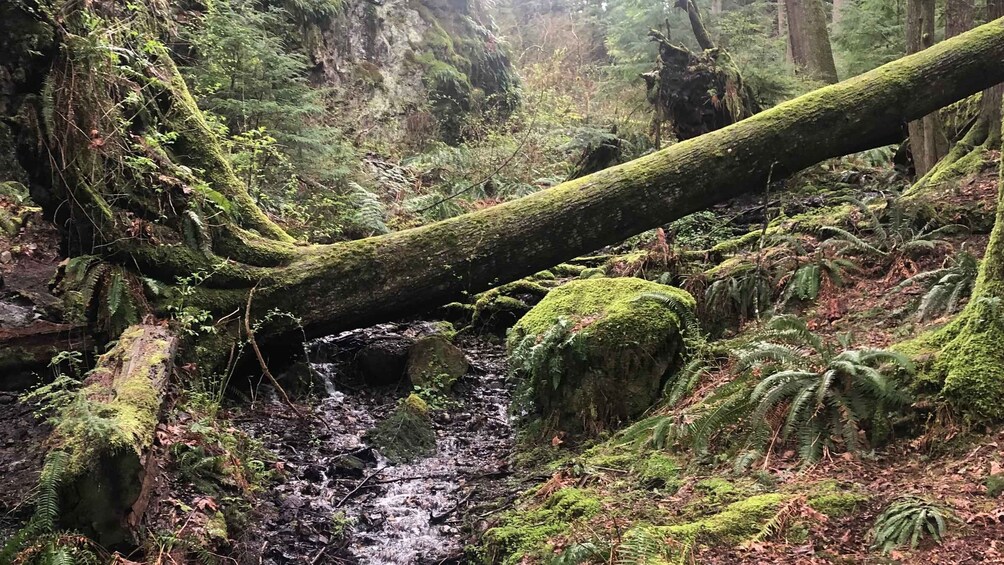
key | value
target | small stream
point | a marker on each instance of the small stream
(412, 513)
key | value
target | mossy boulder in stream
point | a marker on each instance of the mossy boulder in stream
(594, 352)
(406, 434)
(435, 363)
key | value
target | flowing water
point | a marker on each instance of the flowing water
(411, 513)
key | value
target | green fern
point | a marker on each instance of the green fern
(823, 398)
(946, 286)
(896, 237)
(907, 520)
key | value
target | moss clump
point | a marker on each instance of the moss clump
(718, 490)
(592, 273)
(738, 522)
(567, 270)
(500, 307)
(407, 433)
(830, 499)
(524, 534)
(659, 471)
(594, 352)
(435, 363)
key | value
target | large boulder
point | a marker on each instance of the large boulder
(595, 352)
(435, 363)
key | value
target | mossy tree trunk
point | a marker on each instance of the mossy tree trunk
(128, 156)
(809, 39)
(969, 357)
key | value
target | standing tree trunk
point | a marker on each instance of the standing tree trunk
(809, 39)
(959, 17)
(782, 30)
(967, 355)
(928, 142)
(838, 12)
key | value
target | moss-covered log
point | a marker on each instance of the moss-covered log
(149, 188)
(107, 431)
(360, 282)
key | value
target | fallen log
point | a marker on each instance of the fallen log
(107, 431)
(205, 221)
(26, 350)
(352, 284)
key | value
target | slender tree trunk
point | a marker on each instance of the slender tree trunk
(809, 39)
(928, 142)
(838, 12)
(782, 29)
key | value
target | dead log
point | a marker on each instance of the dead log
(107, 431)
(26, 350)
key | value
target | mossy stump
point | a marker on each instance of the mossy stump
(594, 352)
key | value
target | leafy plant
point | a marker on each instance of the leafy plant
(907, 520)
(807, 391)
(946, 286)
(741, 295)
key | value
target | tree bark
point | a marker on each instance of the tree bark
(959, 17)
(838, 12)
(334, 287)
(809, 39)
(928, 143)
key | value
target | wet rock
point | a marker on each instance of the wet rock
(435, 363)
(383, 362)
(594, 352)
(407, 433)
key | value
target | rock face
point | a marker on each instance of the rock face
(595, 352)
(435, 363)
(413, 70)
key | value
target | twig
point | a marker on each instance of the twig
(361, 484)
(261, 358)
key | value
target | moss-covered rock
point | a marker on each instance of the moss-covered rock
(594, 352)
(435, 363)
(406, 434)
(831, 499)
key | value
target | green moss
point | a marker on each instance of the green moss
(827, 497)
(406, 434)
(524, 534)
(593, 352)
(592, 273)
(435, 363)
(659, 471)
(738, 522)
(567, 270)
(718, 490)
